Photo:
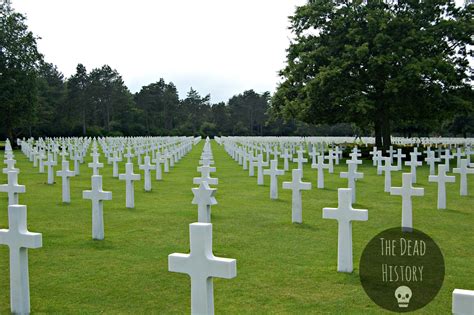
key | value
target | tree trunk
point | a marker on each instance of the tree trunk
(10, 134)
(378, 130)
(386, 129)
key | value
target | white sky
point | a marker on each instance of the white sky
(215, 46)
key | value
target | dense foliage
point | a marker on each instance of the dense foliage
(352, 69)
(384, 65)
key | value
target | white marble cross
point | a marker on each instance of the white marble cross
(10, 166)
(63, 153)
(146, 167)
(313, 155)
(352, 175)
(201, 265)
(430, 160)
(387, 168)
(204, 198)
(206, 160)
(463, 302)
(447, 157)
(260, 165)
(115, 159)
(97, 196)
(286, 157)
(320, 166)
(274, 172)
(129, 177)
(65, 173)
(252, 164)
(374, 154)
(50, 163)
(77, 157)
(166, 162)
(330, 157)
(399, 155)
(245, 156)
(41, 158)
(19, 239)
(129, 155)
(338, 154)
(441, 179)
(12, 188)
(158, 160)
(355, 155)
(378, 161)
(463, 171)
(297, 185)
(458, 155)
(407, 191)
(390, 152)
(413, 163)
(300, 160)
(95, 165)
(345, 214)
(206, 175)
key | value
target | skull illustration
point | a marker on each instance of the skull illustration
(403, 295)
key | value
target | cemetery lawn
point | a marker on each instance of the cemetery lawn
(281, 267)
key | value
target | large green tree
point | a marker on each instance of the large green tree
(159, 102)
(19, 62)
(194, 110)
(380, 64)
(248, 111)
(109, 98)
(50, 110)
(77, 97)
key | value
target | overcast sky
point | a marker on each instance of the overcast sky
(215, 46)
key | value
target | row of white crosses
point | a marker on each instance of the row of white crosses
(200, 264)
(173, 150)
(344, 214)
(17, 238)
(345, 241)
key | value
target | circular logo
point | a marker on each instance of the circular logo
(402, 270)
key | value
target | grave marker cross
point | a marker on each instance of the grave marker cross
(352, 175)
(345, 214)
(97, 195)
(12, 188)
(19, 239)
(441, 179)
(296, 185)
(201, 265)
(273, 172)
(463, 171)
(407, 191)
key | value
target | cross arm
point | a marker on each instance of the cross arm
(179, 263)
(223, 267)
(330, 213)
(31, 240)
(359, 215)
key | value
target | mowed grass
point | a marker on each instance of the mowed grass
(281, 267)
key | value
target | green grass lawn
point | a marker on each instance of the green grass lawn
(281, 267)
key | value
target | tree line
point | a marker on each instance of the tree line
(380, 68)
(37, 100)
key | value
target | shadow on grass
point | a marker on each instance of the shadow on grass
(304, 226)
(455, 211)
(98, 244)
